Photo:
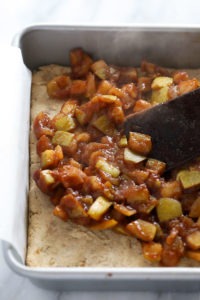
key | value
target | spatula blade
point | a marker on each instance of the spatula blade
(174, 127)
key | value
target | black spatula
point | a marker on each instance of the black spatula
(174, 128)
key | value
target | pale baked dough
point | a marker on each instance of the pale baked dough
(54, 243)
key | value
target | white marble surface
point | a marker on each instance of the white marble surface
(15, 15)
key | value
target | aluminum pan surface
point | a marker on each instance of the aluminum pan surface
(93, 279)
(122, 45)
(169, 46)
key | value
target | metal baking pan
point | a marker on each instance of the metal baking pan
(177, 47)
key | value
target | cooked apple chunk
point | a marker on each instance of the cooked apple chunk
(60, 213)
(50, 158)
(156, 165)
(171, 189)
(168, 208)
(104, 125)
(65, 123)
(194, 255)
(130, 156)
(137, 194)
(124, 210)
(160, 82)
(103, 165)
(143, 230)
(160, 87)
(100, 69)
(62, 138)
(139, 143)
(193, 240)
(47, 159)
(189, 179)
(69, 107)
(99, 207)
(81, 116)
(46, 176)
(106, 224)
(152, 251)
(123, 142)
(160, 95)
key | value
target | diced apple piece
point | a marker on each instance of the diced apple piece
(156, 165)
(104, 125)
(154, 182)
(47, 159)
(90, 85)
(139, 176)
(69, 107)
(171, 189)
(62, 138)
(104, 87)
(65, 123)
(99, 207)
(137, 194)
(124, 210)
(141, 105)
(110, 99)
(168, 208)
(60, 213)
(45, 175)
(77, 211)
(189, 179)
(108, 189)
(44, 143)
(80, 63)
(83, 137)
(130, 156)
(59, 87)
(103, 165)
(81, 116)
(73, 206)
(139, 143)
(58, 153)
(186, 86)
(150, 207)
(100, 68)
(160, 96)
(193, 240)
(152, 251)
(106, 224)
(50, 158)
(78, 87)
(42, 125)
(116, 114)
(179, 76)
(116, 92)
(194, 255)
(93, 183)
(123, 141)
(159, 231)
(144, 84)
(160, 82)
(88, 200)
(142, 230)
